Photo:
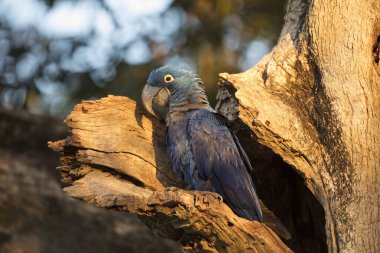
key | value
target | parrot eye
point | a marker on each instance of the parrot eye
(168, 78)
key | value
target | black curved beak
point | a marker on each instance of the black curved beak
(157, 95)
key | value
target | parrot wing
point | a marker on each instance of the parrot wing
(219, 157)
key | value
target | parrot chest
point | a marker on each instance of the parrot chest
(178, 145)
(179, 149)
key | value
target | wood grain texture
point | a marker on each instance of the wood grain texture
(115, 158)
(314, 101)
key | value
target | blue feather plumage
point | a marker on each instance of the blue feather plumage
(204, 151)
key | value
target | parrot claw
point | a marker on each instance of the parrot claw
(214, 194)
(171, 189)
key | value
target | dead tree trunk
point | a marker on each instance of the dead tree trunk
(308, 114)
(314, 101)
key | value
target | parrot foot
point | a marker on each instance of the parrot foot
(171, 188)
(214, 194)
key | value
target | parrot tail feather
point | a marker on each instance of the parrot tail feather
(274, 223)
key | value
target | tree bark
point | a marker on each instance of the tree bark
(37, 216)
(308, 114)
(314, 101)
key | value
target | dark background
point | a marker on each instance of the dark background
(53, 54)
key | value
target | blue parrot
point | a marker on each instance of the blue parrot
(205, 153)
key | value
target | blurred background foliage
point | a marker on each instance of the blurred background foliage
(55, 53)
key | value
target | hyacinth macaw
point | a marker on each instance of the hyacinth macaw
(205, 153)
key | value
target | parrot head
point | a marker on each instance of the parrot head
(172, 87)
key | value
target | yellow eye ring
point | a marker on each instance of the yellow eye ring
(168, 78)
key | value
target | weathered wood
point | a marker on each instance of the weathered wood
(115, 158)
(314, 101)
(37, 216)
